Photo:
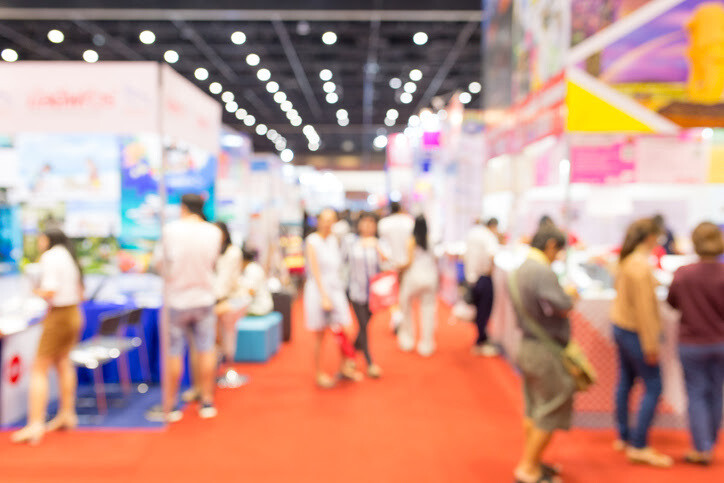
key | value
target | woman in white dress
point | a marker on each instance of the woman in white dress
(325, 301)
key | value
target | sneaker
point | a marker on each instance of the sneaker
(489, 350)
(426, 350)
(175, 415)
(649, 456)
(405, 342)
(374, 371)
(207, 411)
(190, 395)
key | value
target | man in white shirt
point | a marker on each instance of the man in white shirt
(187, 260)
(395, 232)
(481, 247)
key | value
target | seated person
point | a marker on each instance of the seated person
(254, 282)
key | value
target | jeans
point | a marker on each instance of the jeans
(631, 366)
(704, 375)
(363, 314)
(482, 293)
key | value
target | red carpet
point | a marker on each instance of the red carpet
(451, 418)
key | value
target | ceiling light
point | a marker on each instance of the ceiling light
(325, 75)
(332, 98)
(147, 37)
(465, 97)
(303, 28)
(292, 113)
(329, 38)
(342, 113)
(9, 55)
(241, 114)
(410, 87)
(287, 155)
(313, 146)
(414, 121)
(347, 145)
(406, 98)
(227, 96)
(420, 38)
(263, 75)
(272, 87)
(475, 87)
(232, 106)
(249, 120)
(272, 134)
(201, 74)
(90, 56)
(395, 83)
(261, 129)
(392, 113)
(280, 144)
(380, 142)
(343, 121)
(171, 56)
(280, 97)
(215, 88)
(297, 121)
(253, 60)
(56, 36)
(329, 87)
(238, 38)
(389, 122)
(308, 130)
(416, 74)
(285, 105)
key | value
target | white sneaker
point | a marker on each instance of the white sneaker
(489, 350)
(175, 415)
(208, 411)
(406, 343)
(426, 349)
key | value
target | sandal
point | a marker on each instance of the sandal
(324, 381)
(649, 456)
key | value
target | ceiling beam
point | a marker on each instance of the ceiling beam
(240, 15)
(30, 44)
(188, 32)
(368, 88)
(112, 42)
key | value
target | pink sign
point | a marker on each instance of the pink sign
(600, 164)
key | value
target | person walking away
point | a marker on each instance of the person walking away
(395, 231)
(364, 257)
(254, 282)
(637, 333)
(698, 293)
(187, 259)
(61, 285)
(419, 282)
(325, 302)
(548, 388)
(481, 247)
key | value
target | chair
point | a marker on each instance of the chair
(134, 320)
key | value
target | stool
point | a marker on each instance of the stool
(258, 337)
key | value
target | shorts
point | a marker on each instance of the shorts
(61, 331)
(548, 388)
(198, 323)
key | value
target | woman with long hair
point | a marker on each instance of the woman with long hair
(637, 332)
(61, 285)
(419, 282)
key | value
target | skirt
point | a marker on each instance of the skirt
(61, 331)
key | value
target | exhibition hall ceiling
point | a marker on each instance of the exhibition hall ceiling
(276, 68)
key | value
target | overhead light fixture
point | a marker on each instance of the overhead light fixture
(261, 129)
(392, 113)
(395, 83)
(347, 145)
(420, 38)
(410, 87)
(249, 120)
(9, 55)
(380, 142)
(90, 56)
(313, 146)
(286, 106)
(215, 88)
(291, 114)
(280, 144)
(329, 38)
(263, 75)
(171, 56)
(329, 87)
(475, 87)
(287, 155)
(56, 36)
(465, 97)
(201, 74)
(414, 121)
(389, 122)
(415, 74)
(253, 60)
(280, 97)
(297, 121)
(238, 38)
(308, 130)
(272, 134)
(241, 114)
(406, 98)
(231, 106)
(332, 98)
(343, 121)
(325, 75)
(227, 96)
(147, 37)
(272, 87)
(342, 113)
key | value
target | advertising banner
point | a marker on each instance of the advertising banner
(498, 45)
(602, 159)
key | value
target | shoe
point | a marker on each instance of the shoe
(190, 395)
(208, 411)
(31, 434)
(426, 349)
(349, 371)
(620, 445)
(649, 456)
(324, 381)
(489, 350)
(374, 371)
(60, 422)
(698, 458)
(405, 342)
(175, 415)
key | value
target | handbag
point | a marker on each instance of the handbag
(384, 291)
(572, 356)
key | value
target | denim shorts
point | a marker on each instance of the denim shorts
(198, 324)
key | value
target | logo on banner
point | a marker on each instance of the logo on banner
(15, 370)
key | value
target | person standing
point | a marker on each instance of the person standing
(637, 333)
(548, 388)
(481, 247)
(61, 285)
(325, 302)
(698, 292)
(364, 257)
(395, 231)
(419, 282)
(187, 259)
(254, 282)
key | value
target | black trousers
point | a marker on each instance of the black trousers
(483, 300)
(363, 313)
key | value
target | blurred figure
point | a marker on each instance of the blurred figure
(364, 257)
(666, 237)
(494, 226)
(61, 285)
(481, 247)
(419, 282)
(395, 231)
(254, 282)
(343, 227)
(187, 259)
(548, 388)
(637, 332)
(325, 301)
(698, 292)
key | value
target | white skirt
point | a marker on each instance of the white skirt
(314, 316)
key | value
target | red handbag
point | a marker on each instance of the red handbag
(384, 291)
